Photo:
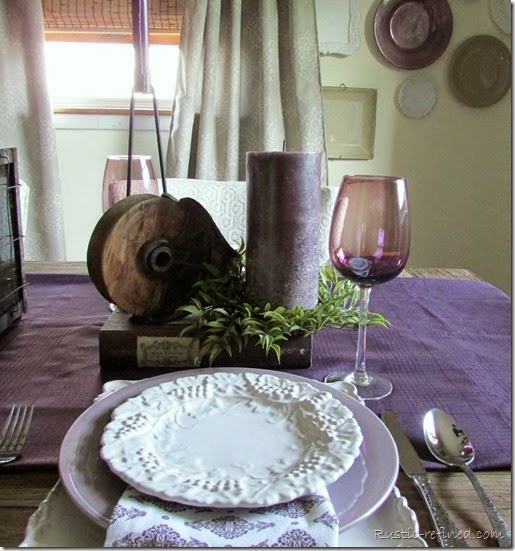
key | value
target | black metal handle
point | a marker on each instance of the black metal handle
(142, 82)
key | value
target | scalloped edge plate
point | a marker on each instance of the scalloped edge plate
(231, 440)
(95, 490)
(417, 97)
(500, 10)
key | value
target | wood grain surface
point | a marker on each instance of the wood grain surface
(21, 494)
(146, 253)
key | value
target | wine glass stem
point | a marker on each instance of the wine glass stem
(360, 372)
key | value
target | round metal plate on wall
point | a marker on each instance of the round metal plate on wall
(412, 34)
(480, 71)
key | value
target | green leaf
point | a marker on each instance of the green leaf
(223, 321)
(275, 316)
(277, 349)
(216, 324)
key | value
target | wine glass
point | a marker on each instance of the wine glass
(369, 244)
(142, 178)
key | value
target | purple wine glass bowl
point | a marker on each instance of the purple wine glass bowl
(369, 239)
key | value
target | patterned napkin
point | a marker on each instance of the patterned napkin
(139, 520)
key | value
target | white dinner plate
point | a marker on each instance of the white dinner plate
(231, 440)
(96, 490)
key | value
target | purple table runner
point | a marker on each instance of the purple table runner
(448, 346)
(50, 359)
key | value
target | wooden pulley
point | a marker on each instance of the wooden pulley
(147, 252)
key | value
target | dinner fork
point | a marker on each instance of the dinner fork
(15, 433)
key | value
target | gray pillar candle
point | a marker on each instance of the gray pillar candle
(283, 228)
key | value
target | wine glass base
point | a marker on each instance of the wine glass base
(373, 388)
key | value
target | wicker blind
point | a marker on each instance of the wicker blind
(109, 16)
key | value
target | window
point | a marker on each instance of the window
(99, 76)
(90, 56)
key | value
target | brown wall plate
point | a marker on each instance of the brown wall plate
(480, 71)
(412, 34)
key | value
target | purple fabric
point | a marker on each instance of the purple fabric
(448, 346)
(50, 359)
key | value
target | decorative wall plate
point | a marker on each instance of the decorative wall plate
(417, 97)
(231, 440)
(501, 14)
(412, 34)
(480, 71)
(354, 138)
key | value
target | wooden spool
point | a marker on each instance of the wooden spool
(147, 252)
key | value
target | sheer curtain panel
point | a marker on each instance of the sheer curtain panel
(248, 79)
(26, 123)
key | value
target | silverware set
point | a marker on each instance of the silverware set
(14, 433)
(448, 533)
(448, 443)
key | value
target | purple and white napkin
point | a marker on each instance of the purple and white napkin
(139, 520)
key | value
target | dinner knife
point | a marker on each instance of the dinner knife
(449, 535)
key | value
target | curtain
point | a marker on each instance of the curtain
(248, 80)
(26, 123)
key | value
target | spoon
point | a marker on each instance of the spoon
(449, 443)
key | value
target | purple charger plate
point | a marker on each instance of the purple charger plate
(412, 34)
(95, 489)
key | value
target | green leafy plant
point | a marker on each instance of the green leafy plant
(220, 317)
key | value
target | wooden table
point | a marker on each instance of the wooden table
(81, 268)
(20, 494)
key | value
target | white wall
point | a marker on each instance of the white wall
(457, 159)
(83, 144)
